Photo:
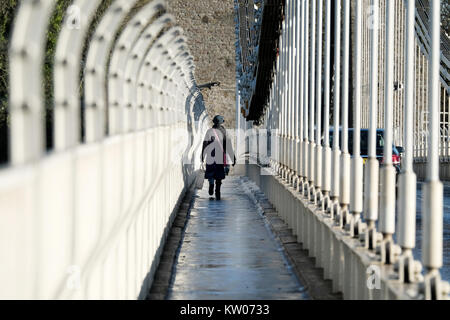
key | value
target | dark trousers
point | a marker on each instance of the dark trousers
(218, 185)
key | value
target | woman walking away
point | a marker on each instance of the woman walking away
(218, 151)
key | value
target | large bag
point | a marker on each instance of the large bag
(200, 179)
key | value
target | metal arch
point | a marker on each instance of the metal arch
(137, 56)
(165, 60)
(162, 42)
(181, 57)
(136, 99)
(179, 60)
(173, 56)
(120, 54)
(26, 92)
(186, 76)
(177, 50)
(147, 65)
(105, 250)
(145, 87)
(165, 67)
(67, 70)
(95, 69)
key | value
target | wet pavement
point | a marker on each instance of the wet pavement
(228, 253)
(445, 270)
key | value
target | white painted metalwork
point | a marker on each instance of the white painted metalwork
(393, 105)
(356, 198)
(326, 184)
(305, 149)
(319, 79)
(432, 206)
(406, 226)
(26, 60)
(96, 62)
(345, 161)
(88, 221)
(372, 166)
(336, 178)
(312, 95)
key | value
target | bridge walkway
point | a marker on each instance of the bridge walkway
(229, 253)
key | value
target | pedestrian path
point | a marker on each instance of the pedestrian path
(228, 252)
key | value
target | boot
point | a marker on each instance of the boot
(218, 184)
(211, 189)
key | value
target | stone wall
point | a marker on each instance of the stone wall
(209, 27)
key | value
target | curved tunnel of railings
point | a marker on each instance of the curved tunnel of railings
(89, 219)
(344, 210)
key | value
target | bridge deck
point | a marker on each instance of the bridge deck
(229, 253)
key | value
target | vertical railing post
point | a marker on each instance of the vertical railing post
(285, 85)
(432, 207)
(278, 104)
(297, 68)
(301, 101)
(284, 91)
(326, 183)
(281, 85)
(318, 150)
(372, 166)
(387, 172)
(312, 96)
(305, 185)
(291, 90)
(344, 195)
(292, 94)
(356, 196)
(335, 179)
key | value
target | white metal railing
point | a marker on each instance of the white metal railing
(89, 219)
(347, 219)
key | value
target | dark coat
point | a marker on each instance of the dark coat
(213, 151)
